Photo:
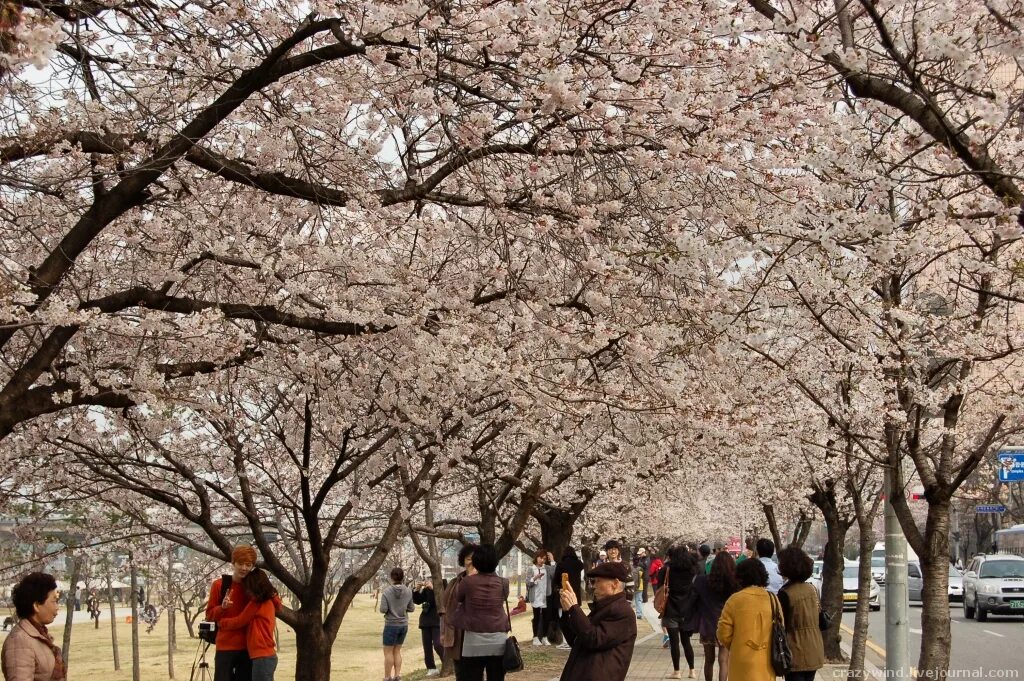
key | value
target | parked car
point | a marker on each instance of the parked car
(915, 583)
(878, 569)
(851, 577)
(815, 579)
(994, 584)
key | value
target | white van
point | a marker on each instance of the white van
(878, 561)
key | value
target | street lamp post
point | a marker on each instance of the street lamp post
(897, 607)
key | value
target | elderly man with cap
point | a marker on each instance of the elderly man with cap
(602, 642)
(228, 598)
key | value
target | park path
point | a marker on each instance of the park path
(651, 661)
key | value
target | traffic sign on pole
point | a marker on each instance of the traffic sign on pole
(1011, 464)
(990, 508)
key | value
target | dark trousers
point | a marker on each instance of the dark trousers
(473, 668)
(800, 676)
(675, 637)
(232, 665)
(431, 641)
(539, 630)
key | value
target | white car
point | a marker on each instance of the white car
(878, 569)
(851, 578)
(815, 579)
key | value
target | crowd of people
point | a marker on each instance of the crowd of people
(729, 602)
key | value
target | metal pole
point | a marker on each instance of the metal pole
(897, 607)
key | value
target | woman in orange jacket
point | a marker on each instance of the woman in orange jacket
(258, 620)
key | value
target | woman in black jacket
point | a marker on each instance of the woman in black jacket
(679, 573)
(430, 625)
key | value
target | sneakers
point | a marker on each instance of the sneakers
(544, 642)
(564, 646)
(536, 641)
(674, 675)
(433, 672)
(692, 674)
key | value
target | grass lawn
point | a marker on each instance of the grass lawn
(357, 651)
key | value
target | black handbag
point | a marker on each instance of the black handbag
(782, 656)
(824, 619)
(512, 658)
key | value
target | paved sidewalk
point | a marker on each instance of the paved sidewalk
(651, 661)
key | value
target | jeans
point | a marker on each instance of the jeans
(473, 668)
(638, 603)
(431, 642)
(232, 665)
(263, 668)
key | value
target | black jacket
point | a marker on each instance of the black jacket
(602, 643)
(679, 580)
(572, 566)
(429, 616)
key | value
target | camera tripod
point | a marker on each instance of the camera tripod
(200, 667)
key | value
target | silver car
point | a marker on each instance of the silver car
(994, 584)
(915, 583)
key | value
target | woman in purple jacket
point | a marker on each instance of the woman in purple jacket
(708, 595)
(480, 602)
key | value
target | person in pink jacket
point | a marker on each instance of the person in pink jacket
(29, 653)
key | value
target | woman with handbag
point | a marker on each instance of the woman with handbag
(708, 595)
(801, 610)
(677, 576)
(481, 613)
(745, 627)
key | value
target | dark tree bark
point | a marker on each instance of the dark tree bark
(837, 525)
(76, 570)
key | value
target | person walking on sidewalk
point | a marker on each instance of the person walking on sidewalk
(800, 608)
(745, 627)
(765, 551)
(677, 576)
(430, 625)
(641, 563)
(708, 596)
(538, 588)
(602, 642)
(396, 604)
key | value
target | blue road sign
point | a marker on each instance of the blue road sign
(1011, 464)
(990, 508)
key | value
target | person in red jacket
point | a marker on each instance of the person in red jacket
(257, 623)
(231, 663)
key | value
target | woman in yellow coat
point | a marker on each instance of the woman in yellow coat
(745, 627)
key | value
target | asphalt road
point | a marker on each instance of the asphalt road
(986, 650)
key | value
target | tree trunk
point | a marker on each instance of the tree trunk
(801, 531)
(136, 669)
(773, 525)
(860, 624)
(69, 619)
(556, 527)
(936, 639)
(113, 622)
(172, 636)
(312, 648)
(836, 526)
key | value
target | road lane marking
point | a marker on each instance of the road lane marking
(993, 633)
(868, 642)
